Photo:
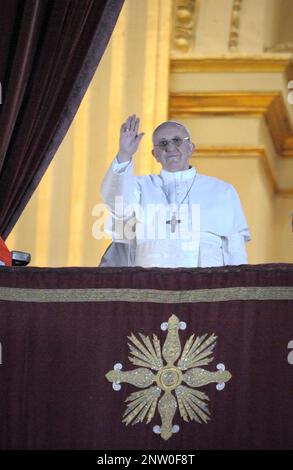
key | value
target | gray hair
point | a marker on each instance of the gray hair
(163, 124)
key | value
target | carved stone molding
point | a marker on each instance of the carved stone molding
(253, 64)
(281, 47)
(269, 105)
(185, 13)
(234, 152)
(234, 27)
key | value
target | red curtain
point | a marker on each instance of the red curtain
(5, 255)
(49, 51)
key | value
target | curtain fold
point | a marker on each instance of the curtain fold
(48, 56)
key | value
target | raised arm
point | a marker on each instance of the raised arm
(119, 180)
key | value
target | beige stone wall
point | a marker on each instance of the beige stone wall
(230, 87)
(221, 55)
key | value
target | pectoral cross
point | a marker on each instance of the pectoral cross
(173, 222)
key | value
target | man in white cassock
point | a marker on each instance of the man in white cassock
(178, 218)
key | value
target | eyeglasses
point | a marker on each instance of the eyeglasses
(176, 141)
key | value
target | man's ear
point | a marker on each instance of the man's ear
(153, 153)
(192, 147)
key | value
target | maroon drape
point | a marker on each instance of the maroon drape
(49, 51)
(62, 330)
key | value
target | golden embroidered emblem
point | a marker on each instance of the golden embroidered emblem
(173, 384)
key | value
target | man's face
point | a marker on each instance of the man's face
(171, 156)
